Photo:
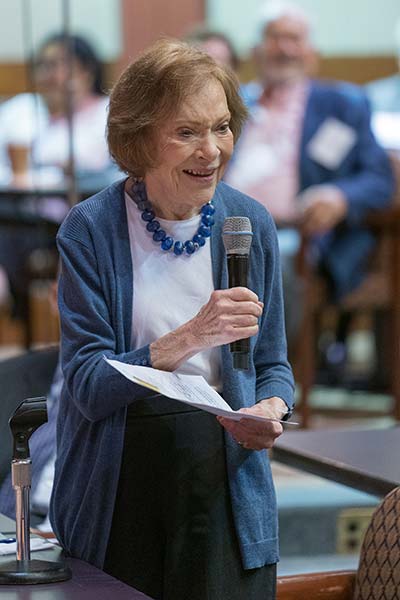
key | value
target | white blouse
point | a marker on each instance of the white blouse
(169, 290)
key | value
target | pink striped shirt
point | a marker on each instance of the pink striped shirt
(266, 160)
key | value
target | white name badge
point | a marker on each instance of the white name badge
(331, 143)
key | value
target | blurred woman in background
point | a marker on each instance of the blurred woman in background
(34, 127)
(35, 133)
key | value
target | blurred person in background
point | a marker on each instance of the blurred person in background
(34, 129)
(35, 146)
(307, 153)
(42, 447)
(216, 44)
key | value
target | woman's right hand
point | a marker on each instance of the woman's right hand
(229, 315)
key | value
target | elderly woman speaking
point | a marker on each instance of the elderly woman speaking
(170, 499)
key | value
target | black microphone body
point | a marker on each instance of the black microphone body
(237, 235)
(238, 266)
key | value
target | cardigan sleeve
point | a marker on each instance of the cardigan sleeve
(273, 373)
(87, 335)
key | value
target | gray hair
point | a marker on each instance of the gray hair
(272, 10)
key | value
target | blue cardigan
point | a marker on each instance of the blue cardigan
(95, 301)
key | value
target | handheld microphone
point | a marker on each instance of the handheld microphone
(236, 236)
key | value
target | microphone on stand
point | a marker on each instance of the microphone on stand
(237, 235)
(27, 417)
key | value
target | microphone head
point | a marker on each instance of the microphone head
(236, 235)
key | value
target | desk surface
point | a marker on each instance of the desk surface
(367, 460)
(87, 583)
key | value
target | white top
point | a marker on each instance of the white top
(25, 120)
(169, 290)
(386, 127)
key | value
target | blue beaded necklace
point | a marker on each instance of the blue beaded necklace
(139, 196)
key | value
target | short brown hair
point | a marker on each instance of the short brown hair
(149, 91)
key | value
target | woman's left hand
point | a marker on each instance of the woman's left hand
(256, 435)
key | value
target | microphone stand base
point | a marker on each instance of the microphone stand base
(25, 572)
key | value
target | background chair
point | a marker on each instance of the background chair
(378, 294)
(21, 377)
(378, 574)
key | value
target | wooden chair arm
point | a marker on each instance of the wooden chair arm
(386, 218)
(334, 585)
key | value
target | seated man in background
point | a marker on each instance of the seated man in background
(308, 154)
(35, 145)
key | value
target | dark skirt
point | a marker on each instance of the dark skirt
(172, 534)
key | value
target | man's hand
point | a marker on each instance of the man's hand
(322, 207)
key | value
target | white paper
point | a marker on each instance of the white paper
(190, 389)
(37, 543)
(331, 143)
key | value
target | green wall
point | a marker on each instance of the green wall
(24, 24)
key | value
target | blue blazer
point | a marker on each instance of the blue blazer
(364, 176)
(95, 300)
